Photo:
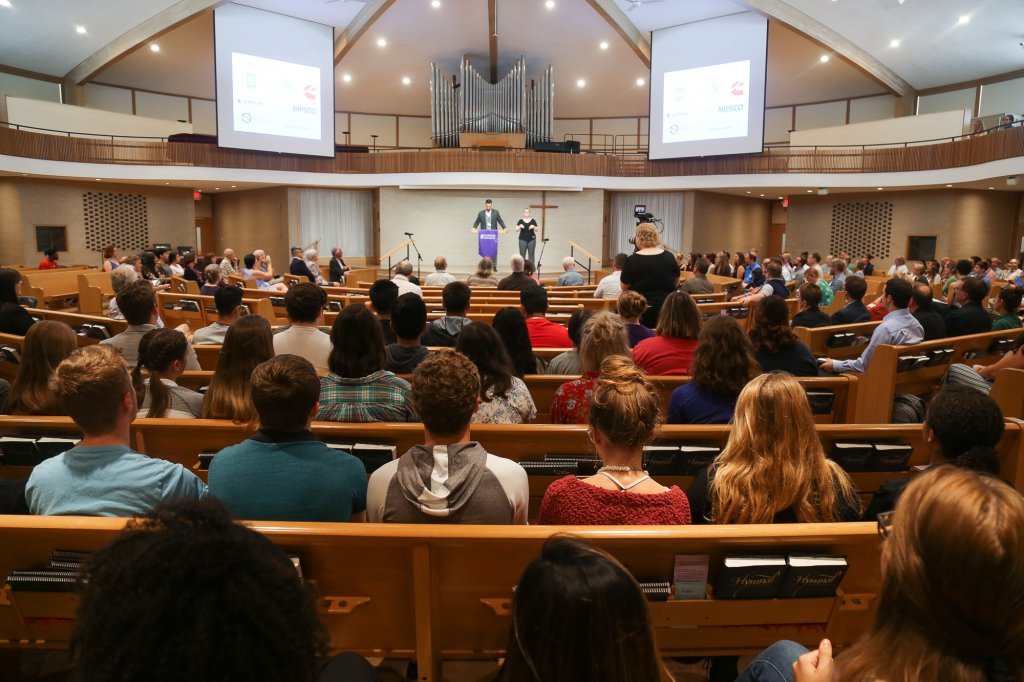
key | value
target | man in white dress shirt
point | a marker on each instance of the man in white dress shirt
(401, 280)
(440, 276)
(610, 285)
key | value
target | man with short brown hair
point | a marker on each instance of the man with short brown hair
(102, 475)
(450, 478)
(283, 472)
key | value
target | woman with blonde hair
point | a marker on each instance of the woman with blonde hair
(671, 350)
(651, 271)
(773, 468)
(484, 275)
(623, 412)
(247, 343)
(46, 344)
(603, 336)
(631, 307)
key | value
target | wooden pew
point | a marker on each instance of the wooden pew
(51, 287)
(169, 307)
(459, 582)
(881, 382)
(180, 285)
(75, 319)
(1008, 392)
(94, 291)
(817, 338)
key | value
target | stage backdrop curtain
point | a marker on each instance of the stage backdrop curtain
(666, 206)
(337, 218)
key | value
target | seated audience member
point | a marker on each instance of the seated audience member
(122, 276)
(409, 320)
(933, 325)
(228, 301)
(484, 275)
(444, 331)
(839, 276)
(774, 285)
(930, 624)
(304, 304)
(163, 262)
(1007, 307)
(149, 271)
(610, 286)
(543, 332)
(439, 277)
(776, 345)
(773, 468)
(228, 264)
(962, 427)
(162, 354)
(211, 280)
(961, 272)
(1012, 271)
(14, 319)
(403, 274)
(827, 295)
(899, 267)
(698, 283)
(671, 351)
(569, 361)
(336, 269)
(854, 311)
(359, 389)
(603, 337)
(623, 412)
(583, 598)
(312, 260)
(299, 267)
(200, 598)
(569, 278)
(283, 472)
(631, 306)
(188, 266)
(450, 478)
(530, 271)
(248, 343)
(110, 259)
(173, 265)
(722, 365)
(254, 270)
(102, 476)
(811, 315)
(383, 294)
(504, 397)
(898, 328)
(971, 317)
(518, 280)
(137, 303)
(515, 337)
(46, 345)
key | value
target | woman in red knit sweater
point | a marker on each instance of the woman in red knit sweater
(625, 409)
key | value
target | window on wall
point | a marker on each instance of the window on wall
(51, 237)
(921, 248)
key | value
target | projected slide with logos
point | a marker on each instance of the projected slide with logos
(707, 103)
(275, 98)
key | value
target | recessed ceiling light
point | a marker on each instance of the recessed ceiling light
(964, 18)
(810, 191)
(381, 42)
(24, 175)
(154, 48)
(346, 77)
(581, 83)
(406, 80)
(604, 44)
(233, 186)
(780, 198)
(991, 187)
(80, 29)
(762, 195)
(879, 188)
(824, 58)
(216, 188)
(5, 3)
(99, 179)
(550, 4)
(894, 43)
(435, 3)
(949, 185)
(639, 81)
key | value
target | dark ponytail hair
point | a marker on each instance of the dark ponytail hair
(157, 350)
(968, 425)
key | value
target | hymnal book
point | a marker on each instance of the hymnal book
(698, 299)
(809, 576)
(205, 457)
(10, 354)
(907, 363)
(188, 305)
(1002, 346)
(750, 577)
(51, 447)
(586, 465)
(277, 301)
(374, 455)
(656, 590)
(739, 312)
(93, 331)
(690, 576)
(852, 456)
(660, 460)
(334, 306)
(821, 401)
(31, 450)
(939, 356)
(840, 340)
(891, 456)
(692, 458)
(244, 309)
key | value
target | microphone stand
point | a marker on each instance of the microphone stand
(419, 256)
(543, 245)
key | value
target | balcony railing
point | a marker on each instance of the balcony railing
(954, 153)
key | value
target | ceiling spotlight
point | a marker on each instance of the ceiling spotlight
(991, 187)
(581, 83)
(639, 81)
(762, 195)
(406, 80)
(550, 4)
(233, 186)
(346, 77)
(216, 187)
(810, 191)
(435, 3)
(949, 185)
(964, 18)
(101, 180)
(381, 42)
(167, 183)
(154, 48)
(894, 43)
(604, 44)
(879, 188)
(80, 30)
(824, 58)
(748, 191)
(5, 3)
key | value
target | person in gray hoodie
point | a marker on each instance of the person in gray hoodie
(443, 331)
(408, 320)
(450, 478)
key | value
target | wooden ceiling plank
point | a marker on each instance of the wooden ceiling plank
(369, 14)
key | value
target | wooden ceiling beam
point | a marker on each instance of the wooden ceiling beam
(621, 24)
(359, 25)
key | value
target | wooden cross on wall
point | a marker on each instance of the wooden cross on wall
(543, 206)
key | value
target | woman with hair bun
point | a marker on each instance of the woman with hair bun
(163, 354)
(603, 336)
(631, 307)
(625, 410)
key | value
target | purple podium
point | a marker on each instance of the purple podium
(487, 243)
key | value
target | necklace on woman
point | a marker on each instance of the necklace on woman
(621, 468)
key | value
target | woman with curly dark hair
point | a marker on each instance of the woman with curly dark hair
(722, 365)
(511, 327)
(504, 397)
(775, 344)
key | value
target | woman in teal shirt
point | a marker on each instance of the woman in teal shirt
(1007, 306)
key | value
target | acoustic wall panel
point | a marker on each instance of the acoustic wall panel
(862, 227)
(116, 218)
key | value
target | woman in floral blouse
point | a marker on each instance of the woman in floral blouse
(504, 397)
(604, 335)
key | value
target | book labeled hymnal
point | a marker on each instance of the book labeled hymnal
(690, 576)
(692, 458)
(939, 356)
(891, 456)
(821, 401)
(750, 577)
(374, 455)
(811, 576)
(907, 363)
(840, 340)
(852, 456)
(660, 460)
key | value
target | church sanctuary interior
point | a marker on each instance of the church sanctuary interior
(545, 340)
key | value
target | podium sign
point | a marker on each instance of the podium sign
(487, 241)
